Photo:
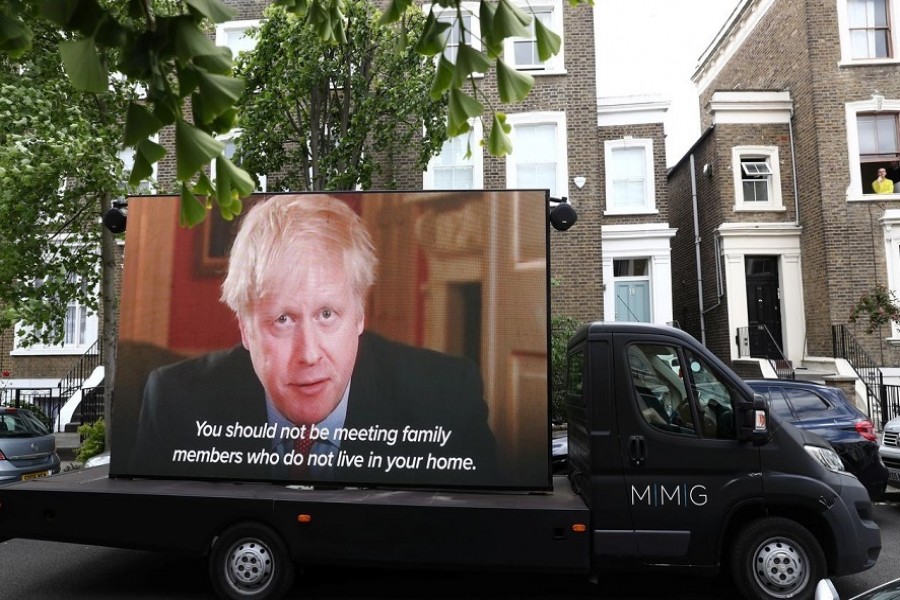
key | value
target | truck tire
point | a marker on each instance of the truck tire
(250, 561)
(774, 558)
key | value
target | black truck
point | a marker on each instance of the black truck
(668, 469)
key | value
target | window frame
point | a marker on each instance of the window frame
(859, 190)
(768, 154)
(231, 137)
(223, 29)
(91, 332)
(555, 65)
(846, 44)
(469, 9)
(476, 160)
(557, 118)
(649, 205)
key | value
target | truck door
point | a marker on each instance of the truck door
(684, 468)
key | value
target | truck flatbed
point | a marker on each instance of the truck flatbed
(424, 527)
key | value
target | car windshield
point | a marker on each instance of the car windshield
(20, 423)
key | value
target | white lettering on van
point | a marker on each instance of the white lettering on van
(657, 495)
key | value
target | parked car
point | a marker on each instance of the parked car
(826, 411)
(890, 450)
(27, 448)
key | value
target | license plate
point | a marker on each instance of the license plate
(28, 476)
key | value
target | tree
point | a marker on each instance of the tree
(59, 173)
(161, 44)
(327, 117)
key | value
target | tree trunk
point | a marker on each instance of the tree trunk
(109, 298)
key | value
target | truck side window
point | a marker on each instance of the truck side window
(575, 374)
(714, 398)
(659, 388)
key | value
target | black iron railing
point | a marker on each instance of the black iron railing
(869, 372)
(44, 399)
(74, 379)
(780, 364)
(91, 404)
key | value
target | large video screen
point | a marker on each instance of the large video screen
(394, 339)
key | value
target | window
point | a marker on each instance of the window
(230, 141)
(538, 159)
(79, 332)
(630, 186)
(879, 148)
(234, 35)
(715, 400)
(870, 32)
(522, 53)
(757, 180)
(451, 170)
(807, 404)
(126, 155)
(632, 289)
(464, 28)
(873, 142)
(659, 391)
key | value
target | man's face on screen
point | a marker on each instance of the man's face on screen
(303, 334)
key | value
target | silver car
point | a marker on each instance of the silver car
(890, 450)
(27, 448)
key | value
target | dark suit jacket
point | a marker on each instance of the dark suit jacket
(393, 386)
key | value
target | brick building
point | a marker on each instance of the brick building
(799, 104)
(605, 155)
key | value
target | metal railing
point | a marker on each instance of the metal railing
(91, 404)
(44, 399)
(882, 400)
(780, 364)
(74, 379)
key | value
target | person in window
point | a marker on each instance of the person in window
(298, 275)
(883, 185)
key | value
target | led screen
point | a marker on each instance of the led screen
(376, 339)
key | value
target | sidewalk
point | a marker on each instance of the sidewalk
(67, 445)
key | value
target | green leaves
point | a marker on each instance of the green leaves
(193, 149)
(140, 124)
(548, 42)
(15, 37)
(499, 143)
(145, 154)
(512, 85)
(461, 108)
(83, 66)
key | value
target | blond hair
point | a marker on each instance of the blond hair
(286, 225)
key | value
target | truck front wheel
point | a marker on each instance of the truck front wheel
(777, 558)
(249, 561)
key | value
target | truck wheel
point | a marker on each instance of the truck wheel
(777, 558)
(249, 561)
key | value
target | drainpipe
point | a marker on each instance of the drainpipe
(697, 251)
(794, 170)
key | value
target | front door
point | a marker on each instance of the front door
(683, 465)
(764, 306)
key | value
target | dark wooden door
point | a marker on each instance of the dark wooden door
(764, 306)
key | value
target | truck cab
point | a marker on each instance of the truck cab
(682, 466)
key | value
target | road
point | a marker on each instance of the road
(52, 571)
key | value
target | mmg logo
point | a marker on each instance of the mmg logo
(656, 494)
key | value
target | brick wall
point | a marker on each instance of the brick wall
(796, 47)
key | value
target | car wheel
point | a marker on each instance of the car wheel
(776, 558)
(250, 561)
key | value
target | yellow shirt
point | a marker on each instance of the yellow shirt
(885, 186)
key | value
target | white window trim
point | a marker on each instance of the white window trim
(556, 65)
(92, 332)
(770, 155)
(477, 159)
(562, 161)
(890, 223)
(470, 9)
(847, 59)
(223, 29)
(649, 207)
(856, 190)
(152, 183)
(653, 242)
(228, 137)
